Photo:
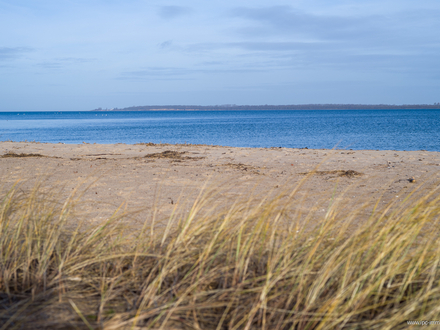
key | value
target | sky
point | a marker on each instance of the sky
(77, 55)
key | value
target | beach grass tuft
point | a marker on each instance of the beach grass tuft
(253, 265)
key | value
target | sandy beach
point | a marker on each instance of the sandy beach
(338, 225)
(145, 175)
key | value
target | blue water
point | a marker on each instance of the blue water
(357, 129)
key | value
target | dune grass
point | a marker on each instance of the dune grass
(253, 265)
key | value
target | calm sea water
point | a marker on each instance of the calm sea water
(369, 129)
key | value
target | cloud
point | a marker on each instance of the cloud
(176, 73)
(165, 44)
(266, 46)
(63, 62)
(169, 12)
(158, 71)
(11, 53)
(400, 43)
(161, 73)
(213, 63)
(337, 56)
(50, 65)
(398, 30)
(284, 20)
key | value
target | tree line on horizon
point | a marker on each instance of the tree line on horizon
(275, 107)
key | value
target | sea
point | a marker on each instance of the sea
(320, 129)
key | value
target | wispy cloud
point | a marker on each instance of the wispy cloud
(59, 63)
(177, 73)
(157, 73)
(169, 12)
(285, 20)
(10, 53)
(266, 46)
(165, 44)
(400, 28)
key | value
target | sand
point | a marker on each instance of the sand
(146, 176)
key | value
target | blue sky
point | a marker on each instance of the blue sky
(85, 54)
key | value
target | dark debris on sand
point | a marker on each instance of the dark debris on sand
(171, 154)
(342, 173)
(12, 154)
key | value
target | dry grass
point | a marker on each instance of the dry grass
(11, 154)
(251, 266)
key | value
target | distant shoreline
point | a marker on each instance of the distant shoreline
(234, 107)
